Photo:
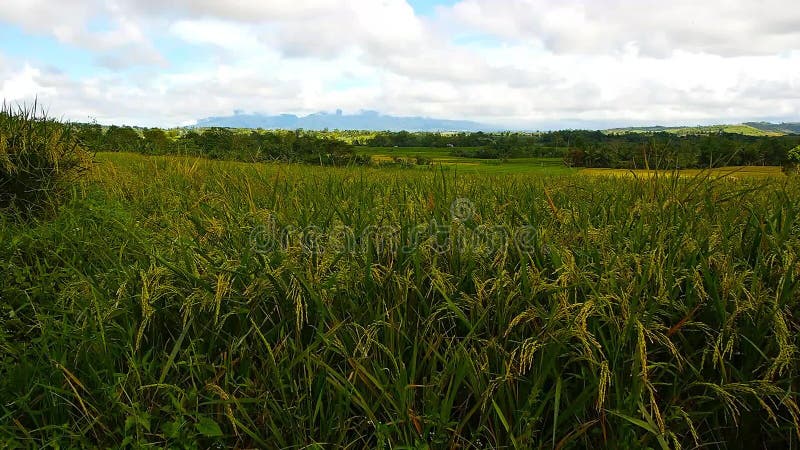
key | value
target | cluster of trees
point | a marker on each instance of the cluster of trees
(665, 150)
(222, 143)
(429, 139)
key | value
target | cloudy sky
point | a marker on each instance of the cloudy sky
(515, 63)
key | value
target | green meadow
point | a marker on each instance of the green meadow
(442, 158)
(180, 302)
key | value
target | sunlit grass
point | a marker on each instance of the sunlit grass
(632, 313)
(727, 172)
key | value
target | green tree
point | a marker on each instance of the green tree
(156, 141)
(122, 139)
(90, 135)
(216, 142)
(792, 164)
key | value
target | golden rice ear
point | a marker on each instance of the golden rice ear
(40, 159)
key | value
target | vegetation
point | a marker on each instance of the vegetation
(183, 302)
(577, 148)
(792, 164)
(781, 128)
(222, 143)
(444, 159)
(623, 150)
(39, 158)
(747, 129)
(666, 151)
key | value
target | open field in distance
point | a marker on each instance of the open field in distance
(717, 172)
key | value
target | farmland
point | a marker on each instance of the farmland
(185, 302)
(443, 158)
(730, 173)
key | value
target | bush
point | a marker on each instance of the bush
(792, 164)
(39, 159)
(423, 161)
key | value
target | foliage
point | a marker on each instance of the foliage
(156, 141)
(121, 139)
(39, 159)
(577, 148)
(160, 309)
(423, 160)
(667, 151)
(792, 164)
(749, 129)
(224, 143)
(626, 150)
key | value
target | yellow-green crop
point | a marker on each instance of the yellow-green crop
(177, 302)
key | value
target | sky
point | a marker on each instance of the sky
(514, 63)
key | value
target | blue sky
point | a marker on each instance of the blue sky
(515, 63)
(428, 7)
(44, 51)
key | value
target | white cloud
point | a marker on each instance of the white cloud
(319, 28)
(23, 84)
(217, 33)
(122, 44)
(515, 62)
(723, 27)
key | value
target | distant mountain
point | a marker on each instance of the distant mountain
(784, 128)
(375, 121)
(365, 120)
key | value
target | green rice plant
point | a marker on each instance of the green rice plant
(632, 313)
(39, 160)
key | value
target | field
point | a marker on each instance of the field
(732, 173)
(442, 157)
(548, 166)
(188, 303)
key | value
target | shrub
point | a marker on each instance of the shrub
(39, 159)
(423, 161)
(792, 164)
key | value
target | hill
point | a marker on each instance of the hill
(782, 128)
(747, 129)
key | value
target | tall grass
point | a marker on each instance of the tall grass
(640, 313)
(39, 159)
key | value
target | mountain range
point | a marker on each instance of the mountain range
(365, 120)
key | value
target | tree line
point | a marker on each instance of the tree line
(222, 143)
(666, 151)
(578, 148)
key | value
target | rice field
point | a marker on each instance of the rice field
(441, 158)
(187, 303)
(732, 173)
